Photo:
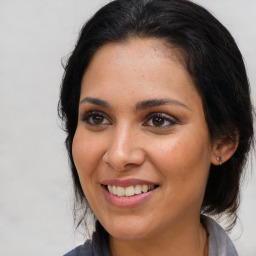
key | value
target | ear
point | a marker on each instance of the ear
(223, 149)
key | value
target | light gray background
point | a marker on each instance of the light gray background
(35, 184)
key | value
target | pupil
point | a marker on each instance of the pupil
(158, 121)
(97, 119)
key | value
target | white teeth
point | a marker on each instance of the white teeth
(120, 191)
(129, 191)
(110, 188)
(144, 188)
(114, 190)
(137, 189)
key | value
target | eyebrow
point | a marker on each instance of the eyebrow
(95, 101)
(158, 102)
(139, 106)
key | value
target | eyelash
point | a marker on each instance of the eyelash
(160, 116)
(91, 114)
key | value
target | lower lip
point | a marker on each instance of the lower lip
(127, 201)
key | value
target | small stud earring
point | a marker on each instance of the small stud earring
(219, 159)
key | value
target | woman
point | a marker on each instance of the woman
(156, 105)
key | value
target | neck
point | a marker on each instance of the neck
(181, 240)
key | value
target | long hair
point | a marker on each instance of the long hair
(210, 55)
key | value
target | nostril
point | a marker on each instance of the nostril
(122, 156)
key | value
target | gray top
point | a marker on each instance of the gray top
(219, 243)
(82, 250)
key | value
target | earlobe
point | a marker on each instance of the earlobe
(224, 149)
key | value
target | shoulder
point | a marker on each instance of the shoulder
(219, 242)
(82, 250)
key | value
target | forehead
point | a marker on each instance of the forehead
(138, 53)
(142, 67)
(151, 48)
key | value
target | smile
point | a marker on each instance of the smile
(129, 191)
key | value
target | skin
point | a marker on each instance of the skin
(119, 142)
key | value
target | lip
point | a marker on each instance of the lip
(129, 201)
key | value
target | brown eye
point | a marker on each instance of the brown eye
(95, 118)
(158, 121)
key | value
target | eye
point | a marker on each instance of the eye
(95, 118)
(159, 120)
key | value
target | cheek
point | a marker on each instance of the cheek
(184, 165)
(86, 153)
(182, 157)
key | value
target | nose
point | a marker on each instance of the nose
(124, 150)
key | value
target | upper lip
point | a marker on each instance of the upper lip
(127, 182)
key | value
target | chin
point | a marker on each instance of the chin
(128, 235)
(128, 232)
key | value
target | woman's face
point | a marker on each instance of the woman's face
(142, 147)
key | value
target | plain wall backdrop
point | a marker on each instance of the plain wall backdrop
(35, 184)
